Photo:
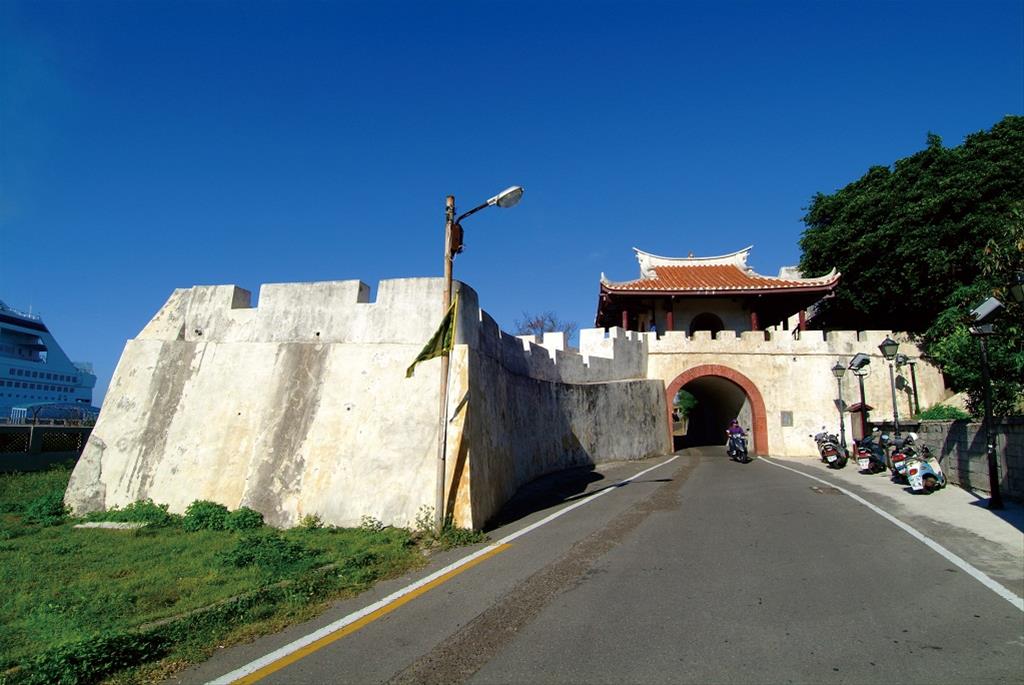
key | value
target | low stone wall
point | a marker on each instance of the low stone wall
(961, 449)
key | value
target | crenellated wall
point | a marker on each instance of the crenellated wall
(301, 406)
(792, 372)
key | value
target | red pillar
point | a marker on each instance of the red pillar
(625, 319)
(754, 324)
(670, 325)
(803, 320)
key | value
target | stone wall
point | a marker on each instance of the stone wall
(520, 427)
(960, 446)
(301, 406)
(791, 371)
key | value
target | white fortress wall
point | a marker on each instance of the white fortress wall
(298, 406)
(301, 406)
(792, 370)
(535, 408)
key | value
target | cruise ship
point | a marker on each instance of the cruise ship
(34, 371)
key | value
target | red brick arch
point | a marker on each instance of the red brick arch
(760, 427)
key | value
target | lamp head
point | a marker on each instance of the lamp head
(888, 348)
(859, 361)
(838, 370)
(986, 311)
(507, 198)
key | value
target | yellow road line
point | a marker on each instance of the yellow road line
(262, 673)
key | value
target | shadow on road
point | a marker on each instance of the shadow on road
(545, 492)
(554, 489)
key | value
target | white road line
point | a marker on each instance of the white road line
(978, 575)
(295, 646)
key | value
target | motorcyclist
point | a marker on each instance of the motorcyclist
(733, 432)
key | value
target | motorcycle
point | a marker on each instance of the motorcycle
(737, 448)
(924, 473)
(902, 448)
(871, 457)
(832, 453)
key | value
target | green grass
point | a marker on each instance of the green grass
(82, 598)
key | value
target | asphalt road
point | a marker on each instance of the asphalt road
(699, 571)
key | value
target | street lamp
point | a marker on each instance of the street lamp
(888, 349)
(859, 365)
(452, 246)
(981, 329)
(839, 371)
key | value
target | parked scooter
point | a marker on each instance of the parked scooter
(832, 453)
(737, 447)
(871, 457)
(902, 448)
(923, 471)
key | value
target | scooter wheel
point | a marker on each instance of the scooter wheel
(931, 483)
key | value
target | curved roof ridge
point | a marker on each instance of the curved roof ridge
(650, 260)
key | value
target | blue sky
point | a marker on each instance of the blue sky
(151, 145)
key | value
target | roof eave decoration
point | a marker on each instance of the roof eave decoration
(650, 261)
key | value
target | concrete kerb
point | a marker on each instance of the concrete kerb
(957, 519)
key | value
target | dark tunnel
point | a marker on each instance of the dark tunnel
(719, 400)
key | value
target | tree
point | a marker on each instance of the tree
(545, 322)
(684, 402)
(923, 242)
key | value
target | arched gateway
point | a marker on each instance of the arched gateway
(753, 395)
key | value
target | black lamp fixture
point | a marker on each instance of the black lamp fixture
(860, 365)
(839, 371)
(889, 348)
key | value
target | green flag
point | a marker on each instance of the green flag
(441, 342)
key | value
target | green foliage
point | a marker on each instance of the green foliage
(243, 518)
(89, 661)
(942, 412)
(311, 522)
(371, 523)
(47, 510)
(79, 605)
(205, 515)
(459, 537)
(143, 511)
(449, 537)
(684, 402)
(270, 553)
(18, 489)
(923, 242)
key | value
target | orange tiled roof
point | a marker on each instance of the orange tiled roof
(716, 278)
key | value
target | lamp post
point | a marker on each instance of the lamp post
(859, 366)
(995, 500)
(839, 371)
(888, 348)
(452, 246)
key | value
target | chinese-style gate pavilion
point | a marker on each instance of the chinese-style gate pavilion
(708, 294)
